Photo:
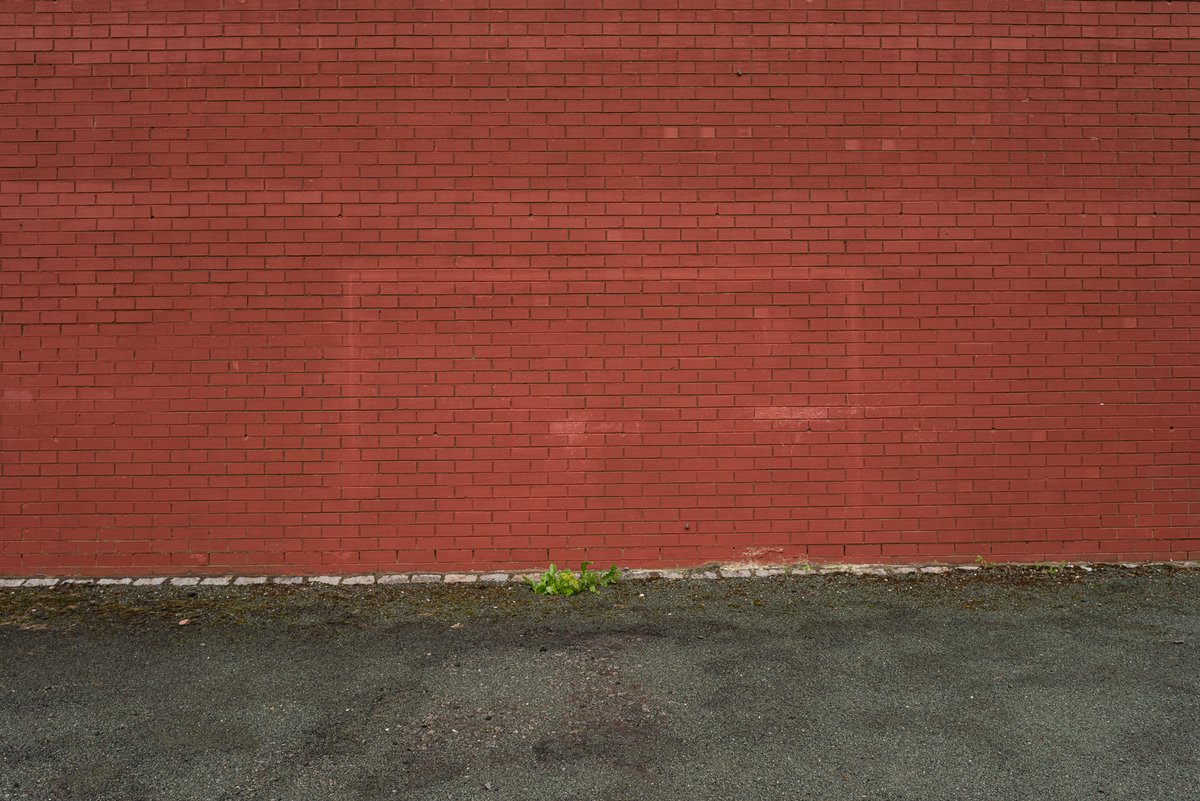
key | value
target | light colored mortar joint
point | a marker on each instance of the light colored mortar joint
(730, 571)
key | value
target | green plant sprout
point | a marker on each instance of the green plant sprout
(564, 582)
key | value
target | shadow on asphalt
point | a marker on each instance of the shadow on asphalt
(1005, 684)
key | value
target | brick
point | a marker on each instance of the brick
(914, 286)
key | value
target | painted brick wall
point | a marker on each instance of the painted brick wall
(300, 286)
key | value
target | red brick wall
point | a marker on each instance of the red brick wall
(299, 286)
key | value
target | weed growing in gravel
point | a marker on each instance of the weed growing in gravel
(564, 582)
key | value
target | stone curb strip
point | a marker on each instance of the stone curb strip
(712, 572)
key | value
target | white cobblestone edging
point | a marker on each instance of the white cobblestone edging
(710, 572)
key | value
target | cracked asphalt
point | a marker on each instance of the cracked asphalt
(1002, 684)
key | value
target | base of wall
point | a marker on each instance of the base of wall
(708, 572)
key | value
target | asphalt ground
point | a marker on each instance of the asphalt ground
(1048, 683)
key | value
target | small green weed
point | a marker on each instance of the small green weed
(564, 582)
